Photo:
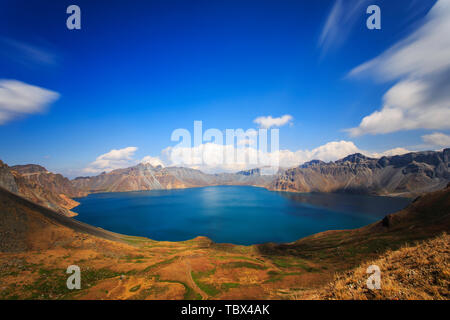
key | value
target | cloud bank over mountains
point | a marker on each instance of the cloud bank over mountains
(114, 159)
(214, 158)
(154, 161)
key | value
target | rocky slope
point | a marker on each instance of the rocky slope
(410, 273)
(7, 180)
(25, 225)
(37, 184)
(405, 175)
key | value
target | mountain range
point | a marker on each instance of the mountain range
(407, 175)
(147, 177)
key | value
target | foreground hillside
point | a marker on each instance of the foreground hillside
(413, 272)
(38, 244)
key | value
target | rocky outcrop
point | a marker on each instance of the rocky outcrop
(405, 175)
(37, 184)
(7, 180)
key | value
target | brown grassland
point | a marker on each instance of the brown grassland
(37, 246)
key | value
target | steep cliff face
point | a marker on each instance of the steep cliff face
(7, 180)
(45, 188)
(405, 175)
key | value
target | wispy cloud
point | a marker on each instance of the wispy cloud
(421, 97)
(268, 122)
(437, 139)
(340, 22)
(26, 53)
(18, 99)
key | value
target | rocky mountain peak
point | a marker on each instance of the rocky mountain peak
(7, 180)
(29, 168)
(312, 163)
(355, 158)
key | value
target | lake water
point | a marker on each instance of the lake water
(231, 214)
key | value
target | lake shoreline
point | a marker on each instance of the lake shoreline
(222, 213)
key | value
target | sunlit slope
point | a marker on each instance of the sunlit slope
(420, 272)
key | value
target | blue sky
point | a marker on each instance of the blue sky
(138, 70)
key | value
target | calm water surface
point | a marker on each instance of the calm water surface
(232, 214)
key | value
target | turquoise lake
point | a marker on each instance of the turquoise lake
(231, 214)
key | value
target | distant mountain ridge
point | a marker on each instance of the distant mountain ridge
(407, 175)
(404, 175)
(148, 177)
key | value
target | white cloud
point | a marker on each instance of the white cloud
(437, 139)
(212, 157)
(114, 159)
(268, 122)
(340, 22)
(421, 97)
(18, 98)
(330, 151)
(154, 161)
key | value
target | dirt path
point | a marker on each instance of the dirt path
(191, 281)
